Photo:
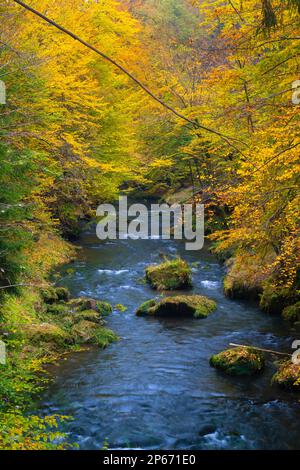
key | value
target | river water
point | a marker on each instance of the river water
(154, 389)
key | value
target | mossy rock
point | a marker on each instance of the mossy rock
(274, 299)
(46, 333)
(292, 313)
(52, 294)
(85, 303)
(170, 275)
(240, 361)
(49, 295)
(237, 289)
(196, 306)
(90, 315)
(86, 331)
(104, 336)
(62, 293)
(58, 309)
(288, 376)
(104, 308)
(146, 307)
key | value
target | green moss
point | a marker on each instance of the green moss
(58, 309)
(288, 376)
(104, 308)
(62, 293)
(90, 315)
(54, 294)
(237, 288)
(46, 333)
(89, 332)
(120, 308)
(274, 299)
(292, 313)
(239, 361)
(104, 336)
(145, 307)
(170, 275)
(49, 295)
(196, 306)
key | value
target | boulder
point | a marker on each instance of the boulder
(240, 361)
(288, 376)
(196, 306)
(85, 303)
(170, 275)
(86, 331)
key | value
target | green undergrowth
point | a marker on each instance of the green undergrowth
(37, 328)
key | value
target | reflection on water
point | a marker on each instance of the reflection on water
(154, 388)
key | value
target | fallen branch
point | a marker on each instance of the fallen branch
(24, 285)
(260, 349)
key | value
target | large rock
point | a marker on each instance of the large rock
(183, 306)
(288, 376)
(241, 361)
(170, 275)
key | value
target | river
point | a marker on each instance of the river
(154, 389)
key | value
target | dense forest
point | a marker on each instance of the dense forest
(76, 132)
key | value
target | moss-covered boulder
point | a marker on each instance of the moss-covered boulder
(88, 332)
(288, 376)
(52, 294)
(196, 306)
(241, 361)
(275, 299)
(46, 333)
(85, 303)
(292, 313)
(170, 275)
(235, 288)
(242, 280)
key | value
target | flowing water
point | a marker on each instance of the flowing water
(154, 389)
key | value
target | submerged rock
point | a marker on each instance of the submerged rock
(288, 376)
(196, 306)
(241, 361)
(170, 275)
